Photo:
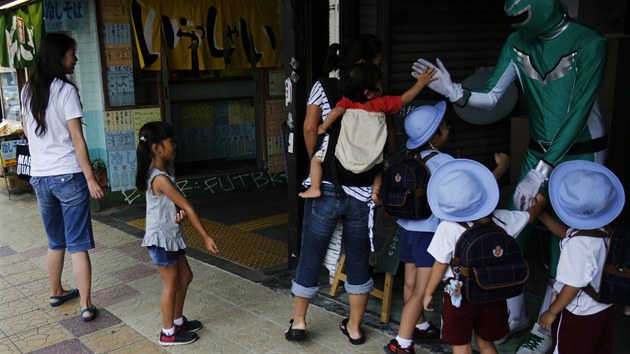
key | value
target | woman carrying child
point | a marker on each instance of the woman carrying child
(363, 130)
(164, 238)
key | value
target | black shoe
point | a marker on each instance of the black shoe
(177, 338)
(190, 326)
(430, 333)
(343, 327)
(394, 347)
(294, 334)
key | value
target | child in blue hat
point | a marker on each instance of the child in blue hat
(587, 197)
(427, 133)
(465, 191)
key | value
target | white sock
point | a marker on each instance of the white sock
(404, 343)
(179, 321)
(170, 331)
(423, 326)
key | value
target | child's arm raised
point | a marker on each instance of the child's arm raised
(423, 78)
(330, 119)
(538, 206)
(503, 162)
(555, 226)
(163, 185)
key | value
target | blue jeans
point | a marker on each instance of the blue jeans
(164, 258)
(320, 218)
(65, 207)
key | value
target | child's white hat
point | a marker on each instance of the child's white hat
(422, 122)
(585, 195)
(462, 190)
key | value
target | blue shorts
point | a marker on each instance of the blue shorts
(413, 248)
(64, 202)
(163, 258)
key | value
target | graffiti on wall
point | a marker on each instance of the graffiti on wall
(216, 185)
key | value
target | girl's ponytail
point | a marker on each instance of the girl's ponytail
(150, 133)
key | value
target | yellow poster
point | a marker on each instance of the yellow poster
(145, 16)
(204, 34)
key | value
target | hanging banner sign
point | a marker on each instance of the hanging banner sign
(205, 34)
(64, 15)
(23, 33)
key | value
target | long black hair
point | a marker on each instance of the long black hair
(47, 67)
(150, 133)
(364, 47)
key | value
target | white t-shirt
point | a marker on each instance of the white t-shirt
(581, 263)
(53, 153)
(447, 233)
(431, 223)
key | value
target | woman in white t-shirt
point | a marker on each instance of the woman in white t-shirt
(62, 176)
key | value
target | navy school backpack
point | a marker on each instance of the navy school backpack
(404, 188)
(615, 285)
(489, 263)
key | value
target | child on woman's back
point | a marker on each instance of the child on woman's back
(164, 237)
(587, 197)
(363, 130)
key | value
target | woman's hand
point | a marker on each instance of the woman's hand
(95, 190)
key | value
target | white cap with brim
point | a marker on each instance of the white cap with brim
(462, 190)
(422, 123)
(585, 195)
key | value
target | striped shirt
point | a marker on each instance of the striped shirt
(318, 98)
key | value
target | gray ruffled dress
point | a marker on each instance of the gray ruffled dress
(161, 228)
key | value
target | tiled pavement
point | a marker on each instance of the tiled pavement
(238, 315)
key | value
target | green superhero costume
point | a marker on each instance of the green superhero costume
(560, 65)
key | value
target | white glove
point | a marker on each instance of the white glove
(443, 85)
(529, 186)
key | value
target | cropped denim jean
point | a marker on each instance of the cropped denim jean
(65, 207)
(320, 218)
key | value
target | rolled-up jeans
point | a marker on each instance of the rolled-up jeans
(320, 218)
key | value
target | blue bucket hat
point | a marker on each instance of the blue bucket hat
(422, 122)
(585, 195)
(462, 190)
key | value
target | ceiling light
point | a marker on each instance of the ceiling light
(12, 3)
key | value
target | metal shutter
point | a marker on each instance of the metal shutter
(465, 35)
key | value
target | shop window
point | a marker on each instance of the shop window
(125, 83)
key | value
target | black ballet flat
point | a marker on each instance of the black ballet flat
(343, 327)
(294, 334)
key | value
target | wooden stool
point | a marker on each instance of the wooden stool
(385, 295)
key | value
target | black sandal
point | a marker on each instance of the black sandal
(343, 327)
(294, 334)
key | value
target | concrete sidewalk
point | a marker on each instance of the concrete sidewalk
(238, 315)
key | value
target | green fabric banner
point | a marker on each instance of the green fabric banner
(4, 52)
(22, 29)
